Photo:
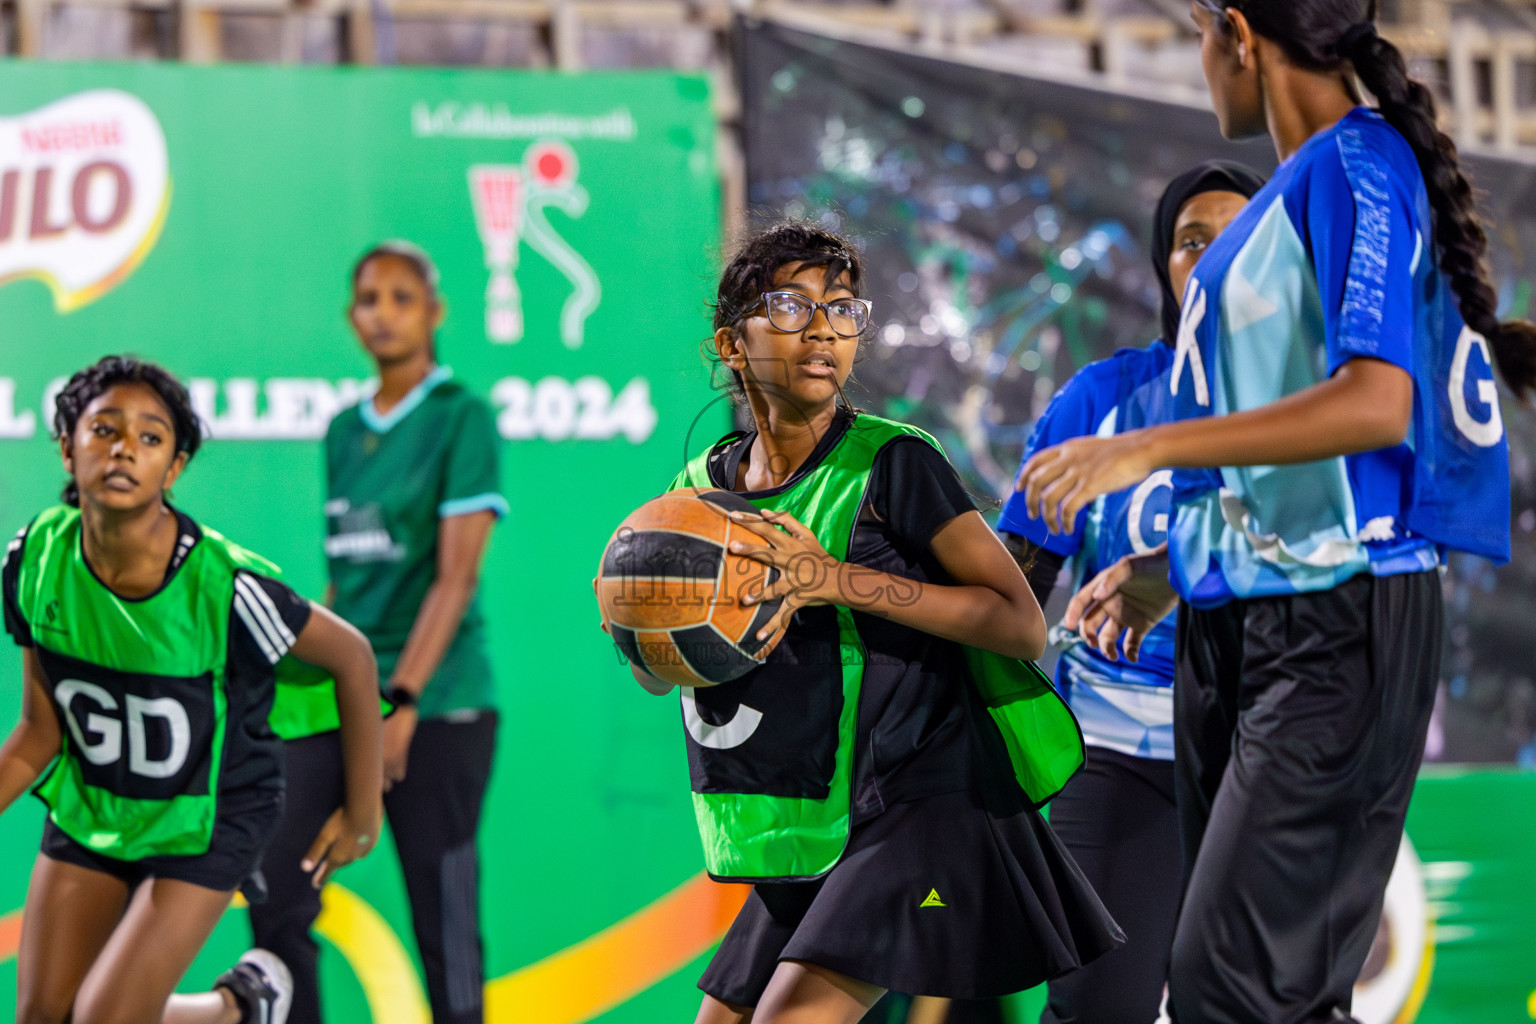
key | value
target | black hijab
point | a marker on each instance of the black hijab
(1211, 176)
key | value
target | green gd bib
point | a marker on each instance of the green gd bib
(750, 836)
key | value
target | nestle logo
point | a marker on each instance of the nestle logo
(71, 135)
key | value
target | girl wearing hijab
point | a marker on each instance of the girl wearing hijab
(1117, 817)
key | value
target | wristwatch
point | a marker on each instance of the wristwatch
(400, 697)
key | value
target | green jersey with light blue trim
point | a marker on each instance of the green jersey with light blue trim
(391, 478)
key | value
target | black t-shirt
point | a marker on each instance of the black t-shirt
(265, 618)
(914, 738)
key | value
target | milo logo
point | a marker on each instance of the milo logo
(84, 189)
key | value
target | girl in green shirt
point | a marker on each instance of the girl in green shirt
(412, 492)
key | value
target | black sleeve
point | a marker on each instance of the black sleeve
(10, 582)
(1041, 565)
(265, 620)
(915, 490)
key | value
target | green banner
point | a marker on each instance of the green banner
(208, 219)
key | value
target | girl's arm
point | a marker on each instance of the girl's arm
(1367, 404)
(1040, 565)
(990, 605)
(35, 740)
(331, 643)
(461, 542)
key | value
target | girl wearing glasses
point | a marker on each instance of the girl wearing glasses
(849, 777)
(1337, 433)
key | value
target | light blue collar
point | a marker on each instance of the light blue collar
(381, 422)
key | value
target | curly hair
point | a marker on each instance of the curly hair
(788, 243)
(91, 383)
(1331, 35)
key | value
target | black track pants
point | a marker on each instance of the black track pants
(1299, 728)
(433, 815)
(281, 924)
(1118, 820)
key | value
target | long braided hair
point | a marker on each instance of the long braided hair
(1333, 35)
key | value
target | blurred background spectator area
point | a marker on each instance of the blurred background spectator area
(1480, 54)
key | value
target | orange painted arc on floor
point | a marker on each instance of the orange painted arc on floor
(10, 934)
(623, 960)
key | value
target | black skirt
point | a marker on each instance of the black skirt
(933, 897)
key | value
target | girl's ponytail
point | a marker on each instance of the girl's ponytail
(1332, 35)
(1408, 106)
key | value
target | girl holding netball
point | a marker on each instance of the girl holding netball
(150, 652)
(864, 792)
(412, 492)
(1117, 818)
(1338, 432)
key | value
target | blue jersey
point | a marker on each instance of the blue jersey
(1122, 706)
(1334, 260)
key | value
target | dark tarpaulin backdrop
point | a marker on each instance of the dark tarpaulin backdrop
(1006, 222)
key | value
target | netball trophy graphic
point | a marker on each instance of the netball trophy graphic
(510, 203)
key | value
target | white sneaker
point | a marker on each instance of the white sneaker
(261, 985)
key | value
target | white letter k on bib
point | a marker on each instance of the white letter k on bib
(1188, 347)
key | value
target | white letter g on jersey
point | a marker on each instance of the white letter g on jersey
(1483, 433)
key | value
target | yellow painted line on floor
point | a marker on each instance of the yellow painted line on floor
(375, 954)
(1420, 990)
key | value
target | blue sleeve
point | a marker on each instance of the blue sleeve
(1072, 413)
(1360, 222)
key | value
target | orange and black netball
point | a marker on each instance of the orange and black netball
(670, 590)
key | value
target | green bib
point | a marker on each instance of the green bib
(139, 688)
(764, 835)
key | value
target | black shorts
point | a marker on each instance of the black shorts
(240, 834)
(1299, 727)
(933, 897)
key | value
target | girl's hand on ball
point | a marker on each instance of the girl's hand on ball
(807, 573)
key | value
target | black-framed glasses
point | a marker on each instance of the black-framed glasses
(791, 311)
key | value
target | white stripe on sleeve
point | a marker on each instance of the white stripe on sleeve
(247, 590)
(257, 632)
(273, 613)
